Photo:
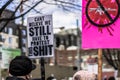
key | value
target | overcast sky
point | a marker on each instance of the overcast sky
(60, 17)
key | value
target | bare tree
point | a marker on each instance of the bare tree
(113, 58)
(30, 5)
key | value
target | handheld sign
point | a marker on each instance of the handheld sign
(100, 24)
(40, 36)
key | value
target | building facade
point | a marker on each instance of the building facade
(67, 38)
(13, 35)
(9, 35)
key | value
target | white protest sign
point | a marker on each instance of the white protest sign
(40, 36)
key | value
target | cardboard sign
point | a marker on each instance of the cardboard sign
(40, 36)
(100, 24)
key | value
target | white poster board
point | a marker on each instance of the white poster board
(40, 36)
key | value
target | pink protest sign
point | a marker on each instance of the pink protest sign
(100, 24)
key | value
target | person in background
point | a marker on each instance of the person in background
(96, 77)
(84, 75)
(111, 78)
(20, 68)
(51, 77)
(77, 77)
(105, 77)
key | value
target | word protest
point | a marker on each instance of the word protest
(40, 36)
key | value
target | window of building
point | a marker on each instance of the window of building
(57, 41)
(0, 55)
(24, 32)
(3, 38)
(61, 57)
(5, 29)
(10, 31)
(17, 40)
(23, 49)
(10, 40)
(76, 57)
(17, 32)
(24, 40)
(0, 37)
(69, 58)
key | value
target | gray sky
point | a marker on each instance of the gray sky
(60, 17)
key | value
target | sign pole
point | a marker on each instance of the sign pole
(78, 45)
(99, 64)
(42, 69)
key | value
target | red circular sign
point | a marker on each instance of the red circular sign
(102, 13)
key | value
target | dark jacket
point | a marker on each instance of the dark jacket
(14, 78)
(36, 79)
(50, 78)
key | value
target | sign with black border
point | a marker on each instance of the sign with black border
(40, 36)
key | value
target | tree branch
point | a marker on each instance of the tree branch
(5, 19)
(108, 56)
(33, 8)
(11, 16)
(4, 6)
(68, 3)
